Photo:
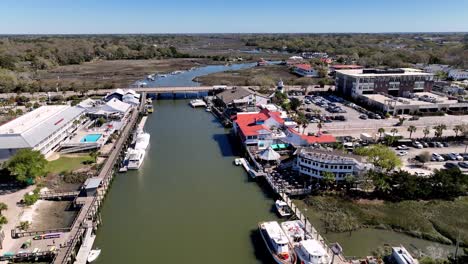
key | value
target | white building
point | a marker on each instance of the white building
(401, 256)
(305, 70)
(315, 163)
(458, 74)
(42, 129)
(112, 108)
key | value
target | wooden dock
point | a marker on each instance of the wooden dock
(87, 246)
(91, 205)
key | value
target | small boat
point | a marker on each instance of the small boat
(282, 208)
(149, 108)
(150, 77)
(162, 75)
(176, 72)
(197, 103)
(208, 109)
(93, 255)
(237, 162)
(277, 243)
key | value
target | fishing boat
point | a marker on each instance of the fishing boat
(308, 249)
(93, 255)
(197, 103)
(149, 108)
(277, 243)
(282, 208)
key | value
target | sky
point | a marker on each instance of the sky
(234, 16)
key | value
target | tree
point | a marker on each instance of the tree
(457, 129)
(305, 124)
(394, 131)
(424, 157)
(411, 129)
(439, 129)
(319, 126)
(3, 220)
(328, 178)
(294, 103)
(350, 180)
(380, 156)
(94, 155)
(24, 225)
(3, 207)
(381, 131)
(26, 165)
(426, 131)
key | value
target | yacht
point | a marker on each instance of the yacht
(93, 255)
(277, 243)
(135, 158)
(282, 208)
(197, 102)
(308, 249)
(137, 154)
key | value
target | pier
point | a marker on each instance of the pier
(89, 218)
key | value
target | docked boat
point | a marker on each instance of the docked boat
(137, 154)
(308, 249)
(150, 77)
(208, 109)
(93, 255)
(237, 162)
(282, 208)
(149, 108)
(197, 103)
(277, 243)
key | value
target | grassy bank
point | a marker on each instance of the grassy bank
(256, 76)
(114, 73)
(68, 163)
(439, 221)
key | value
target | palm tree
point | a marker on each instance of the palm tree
(3, 207)
(426, 131)
(305, 123)
(439, 129)
(328, 178)
(457, 129)
(94, 155)
(381, 131)
(394, 131)
(3, 220)
(319, 126)
(411, 130)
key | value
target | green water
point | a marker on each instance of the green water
(188, 203)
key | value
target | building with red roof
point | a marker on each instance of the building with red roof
(305, 70)
(265, 128)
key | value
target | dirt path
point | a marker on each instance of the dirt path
(13, 214)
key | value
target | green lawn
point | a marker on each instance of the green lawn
(67, 163)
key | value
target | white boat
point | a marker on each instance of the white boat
(135, 158)
(176, 72)
(150, 77)
(197, 103)
(282, 208)
(208, 109)
(308, 249)
(136, 155)
(277, 243)
(238, 162)
(162, 75)
(93, 255)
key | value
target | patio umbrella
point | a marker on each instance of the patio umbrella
(269, 154)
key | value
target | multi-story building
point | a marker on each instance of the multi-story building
(395, 82)
(458, 74)
(315, 163)
(42, 129)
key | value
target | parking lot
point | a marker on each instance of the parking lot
(354, 124)
(413, 166)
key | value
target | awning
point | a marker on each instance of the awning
(269, 154)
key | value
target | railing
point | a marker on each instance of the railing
(19, 234)
(28, 256)
(51, 194)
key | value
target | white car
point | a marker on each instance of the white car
(437, 157)
(418, 145)
(403, 147)
(402, 153)
(455, 156)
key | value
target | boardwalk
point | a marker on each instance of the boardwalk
(91, 204)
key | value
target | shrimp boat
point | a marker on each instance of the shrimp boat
(308, 249)
(93, 255)
(277, 243)
(282, 208)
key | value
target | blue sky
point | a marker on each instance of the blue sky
(239, 16)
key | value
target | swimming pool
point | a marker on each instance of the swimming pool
(91, 138)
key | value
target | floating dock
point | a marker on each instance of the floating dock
(87, 246)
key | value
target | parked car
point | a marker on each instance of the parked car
(364, 117)
(437, 157)
(413, 118)
(450, 165)
(463, 164)
(456, 156)
(417, 144)
(425, 144)
(402, 147)
(445, 144)
(402, 153)
(465, 156)
(439, 145)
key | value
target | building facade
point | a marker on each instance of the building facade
(315, 163)
(458, 74)
(395, 82)
(42, 129)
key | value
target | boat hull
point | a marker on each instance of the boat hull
(292, 253)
